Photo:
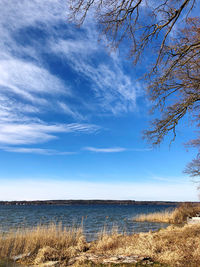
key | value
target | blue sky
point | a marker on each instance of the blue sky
(72, 114)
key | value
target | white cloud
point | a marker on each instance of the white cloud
(11, 110)
(33, 133)
(21, 14)
(41, 151)
(28, 88)
(22, 71)
(115, 149)
(30, 13)
(105, 150)
(59, 189)
(68, 110)
(115, 91)
(27, 79)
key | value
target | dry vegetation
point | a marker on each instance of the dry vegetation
(165, 217)
(177, 216)
(174, 246)
(43, 243)
(90, 264)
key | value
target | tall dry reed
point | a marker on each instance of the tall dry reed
(59, 242)
(176, 246)
(177, 216)
(165, 217)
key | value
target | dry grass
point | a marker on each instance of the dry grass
(43, 243)
(90, 264)
(176, 246)
(177, 216)
(165, 217)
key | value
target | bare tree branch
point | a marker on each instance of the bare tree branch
(174, 80)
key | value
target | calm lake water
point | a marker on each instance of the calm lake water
(94, 217)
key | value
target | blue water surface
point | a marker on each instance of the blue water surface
(93, 217)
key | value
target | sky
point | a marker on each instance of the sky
(72, 113)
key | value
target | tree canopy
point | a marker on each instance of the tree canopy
(173, 32)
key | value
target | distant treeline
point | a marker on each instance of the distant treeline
(89, 202)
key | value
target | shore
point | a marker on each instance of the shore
(55, 245)
(90, 202)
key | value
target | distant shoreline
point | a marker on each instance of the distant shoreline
(90, 202)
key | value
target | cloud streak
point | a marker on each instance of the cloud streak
(33, 133)
(27, 79)
(24, 73)
(115, 149)
(30, 90)
(41, 151)
(115, 91)
(105, 150)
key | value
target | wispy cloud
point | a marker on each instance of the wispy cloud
(68, 110)
(23, 71)
(33, 133)
(40, 151)
(27, 79)
(30, 90)
(115, 91)
(105, 150)
(115, 149)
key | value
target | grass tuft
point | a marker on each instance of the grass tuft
(42, 243)
(177, 216)
(175, 246)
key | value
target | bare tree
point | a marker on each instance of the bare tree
(165, 26)
(178, 80)
(193, 168)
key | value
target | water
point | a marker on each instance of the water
(93, 217)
